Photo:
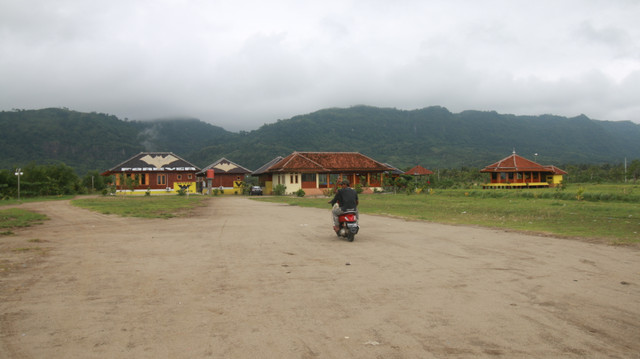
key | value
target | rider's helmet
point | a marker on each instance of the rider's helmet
(345, 182)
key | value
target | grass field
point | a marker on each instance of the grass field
(603, 212)
(547, 211)
(145, 207)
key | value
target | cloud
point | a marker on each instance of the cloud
(239, 65)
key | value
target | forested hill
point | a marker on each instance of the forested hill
(432, 137)
(93, 141)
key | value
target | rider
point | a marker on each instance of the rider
(347, 199)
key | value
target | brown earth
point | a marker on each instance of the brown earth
(247, 279)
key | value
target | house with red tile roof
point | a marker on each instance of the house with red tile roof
(418, 171)
(518, 172)
(314, 172)
(158, 172)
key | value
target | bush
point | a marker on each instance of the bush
(279, 190)
(300, 193)
(329, 192)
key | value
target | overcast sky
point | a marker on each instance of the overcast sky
(241, 64)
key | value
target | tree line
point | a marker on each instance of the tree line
(38, 180)
(432, 137)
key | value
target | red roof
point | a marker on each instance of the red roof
(327, 162)
(556, 170)
(418, 171)
(515, 163)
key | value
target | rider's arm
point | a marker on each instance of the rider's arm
(335, 199)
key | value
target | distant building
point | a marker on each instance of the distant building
(227, 175)
(265, 179)
(314, 172)
(155, 172)
(418, 171)
(518, 172)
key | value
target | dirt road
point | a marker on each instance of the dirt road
(245, 279)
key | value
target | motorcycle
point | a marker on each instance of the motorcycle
(348, 225)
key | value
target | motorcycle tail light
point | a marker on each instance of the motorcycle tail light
(349, 217)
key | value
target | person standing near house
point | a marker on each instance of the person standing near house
(347, 199)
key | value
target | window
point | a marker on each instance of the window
(322, 179)
(189, 176)
(333, 178)
(179, 177)
(311, 177)
(162, 179)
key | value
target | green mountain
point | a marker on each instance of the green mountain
(432, 137)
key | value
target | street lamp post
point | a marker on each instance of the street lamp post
(19, 173)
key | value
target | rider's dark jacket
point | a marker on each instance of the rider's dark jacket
(347, 198)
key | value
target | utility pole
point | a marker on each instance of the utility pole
(19, 173)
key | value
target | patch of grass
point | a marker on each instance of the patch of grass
(26, 249)
(16, 217)
(10, 201)
(6, 233)
(618, 222)
(143, 206)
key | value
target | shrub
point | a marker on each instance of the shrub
(329, 192)
(279, 190)
(300, 193)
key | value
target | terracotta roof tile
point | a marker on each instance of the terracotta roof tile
(556, 170)
(327, 162)
(515, 163)
(418, 171)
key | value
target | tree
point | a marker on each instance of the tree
(92, 181)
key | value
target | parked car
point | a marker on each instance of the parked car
(255, 191)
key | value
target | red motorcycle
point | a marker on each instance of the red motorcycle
(348, 225)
